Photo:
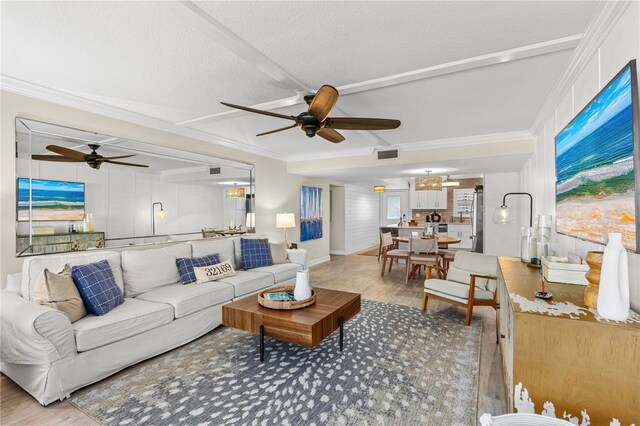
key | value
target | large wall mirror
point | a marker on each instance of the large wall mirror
(78, 190)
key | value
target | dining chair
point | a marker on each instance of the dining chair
(390, 252)
(380, 246)
(470, 281)
(422, 252)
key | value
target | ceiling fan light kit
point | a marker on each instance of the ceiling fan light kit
(316, 120)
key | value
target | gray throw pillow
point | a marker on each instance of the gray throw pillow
(279, 253)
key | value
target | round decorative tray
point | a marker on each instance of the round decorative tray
(275, 304)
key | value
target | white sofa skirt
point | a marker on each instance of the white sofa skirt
(56, 381)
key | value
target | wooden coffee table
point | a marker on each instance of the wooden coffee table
(307, 326)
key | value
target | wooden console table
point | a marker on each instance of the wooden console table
(563, 353)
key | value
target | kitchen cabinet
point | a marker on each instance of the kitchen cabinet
(462, 231)
(559, 352)
(428, 200)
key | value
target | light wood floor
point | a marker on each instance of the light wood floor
(356, 273)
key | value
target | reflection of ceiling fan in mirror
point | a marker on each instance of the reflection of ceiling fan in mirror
(316, 120)
(94, 160)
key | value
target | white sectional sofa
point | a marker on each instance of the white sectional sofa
(48, 356)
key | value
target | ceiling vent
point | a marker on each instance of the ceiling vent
(383, 155)
(214, 171)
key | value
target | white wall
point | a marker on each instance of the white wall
(362, 218)
(277, 190)
(538, 175)
(338, 211)
(500, 240)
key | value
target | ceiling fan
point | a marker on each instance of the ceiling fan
(94, 160)
(316, 120)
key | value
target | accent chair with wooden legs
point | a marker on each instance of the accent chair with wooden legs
(389, 252)
(470, 281)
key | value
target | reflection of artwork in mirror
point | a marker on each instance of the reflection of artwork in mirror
(50, 200)
(310, 213)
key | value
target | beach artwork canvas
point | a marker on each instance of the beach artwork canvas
(310, 213)
(50, 200)
(595, 179)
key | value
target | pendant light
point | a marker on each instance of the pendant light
(428, 182)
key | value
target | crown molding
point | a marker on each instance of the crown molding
(421, 146)
(15, 85)
(597, 30)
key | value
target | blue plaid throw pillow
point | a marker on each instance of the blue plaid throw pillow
(186, 264)
(97, 287)
(255, 252)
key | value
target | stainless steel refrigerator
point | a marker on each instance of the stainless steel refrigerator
(477, 222)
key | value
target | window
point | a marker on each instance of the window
(393, 207)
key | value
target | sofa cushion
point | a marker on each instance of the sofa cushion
(129, 319)
(460, 291)
(255, 253)
(245, 282)
(281, 272)
(97, 287)
(147, 269)
(187, 299)
(33, 266)
(222, 246)
(185, 266)
(58, 291)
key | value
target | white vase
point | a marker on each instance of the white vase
(613, 295)
(302, 289)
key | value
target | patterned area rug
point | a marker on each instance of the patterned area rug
(399, 366)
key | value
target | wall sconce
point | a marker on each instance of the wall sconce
(503, 215)
(285, 220)
(161, 215)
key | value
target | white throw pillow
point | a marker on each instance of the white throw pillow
(214, 272)
(279, 253)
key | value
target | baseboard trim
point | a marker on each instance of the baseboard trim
(338, 252)
(319, 260)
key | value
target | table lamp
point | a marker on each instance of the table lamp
(504, 214)
(285, 220)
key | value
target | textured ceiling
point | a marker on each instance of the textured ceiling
(176, 62)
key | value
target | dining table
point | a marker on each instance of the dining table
(443, 240)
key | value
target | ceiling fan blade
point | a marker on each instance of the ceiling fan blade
(354, 123)
(259, 111)
(323, 102)
(278, 130)
(124, 164)
(55, 158)
(71, 153)
(116, 157)
(330, 135)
